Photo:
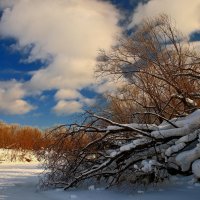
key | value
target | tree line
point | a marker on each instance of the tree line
(14, 136)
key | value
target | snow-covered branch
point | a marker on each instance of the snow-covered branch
(153, 148)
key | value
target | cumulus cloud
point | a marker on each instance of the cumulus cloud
(66, 34)
(87, 101)
(70, 101)
(67, 107)
(184, 12)
(11, 96)
(6, 3)
(67, 94)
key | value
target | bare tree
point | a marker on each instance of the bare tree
(155, 123)
(160, 67)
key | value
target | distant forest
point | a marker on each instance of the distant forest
(14, 136)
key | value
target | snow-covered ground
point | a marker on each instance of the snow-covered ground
(17, 156)
(18, 181)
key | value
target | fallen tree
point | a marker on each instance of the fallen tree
(138, 153)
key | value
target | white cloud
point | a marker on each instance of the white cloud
(11, 98)
(87, 101)
(70, 98)
(67, 94)
(67, 107)
(6, 3)
(65, 33)
(184, 12)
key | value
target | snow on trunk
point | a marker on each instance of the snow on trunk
(181, 143)
(184, 159)
(196, 168)
(185, 126)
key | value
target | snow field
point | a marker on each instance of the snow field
(19, 182)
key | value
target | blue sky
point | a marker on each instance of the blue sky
(48, 50)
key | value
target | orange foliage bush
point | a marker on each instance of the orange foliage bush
(17, 137)
(14, 136)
